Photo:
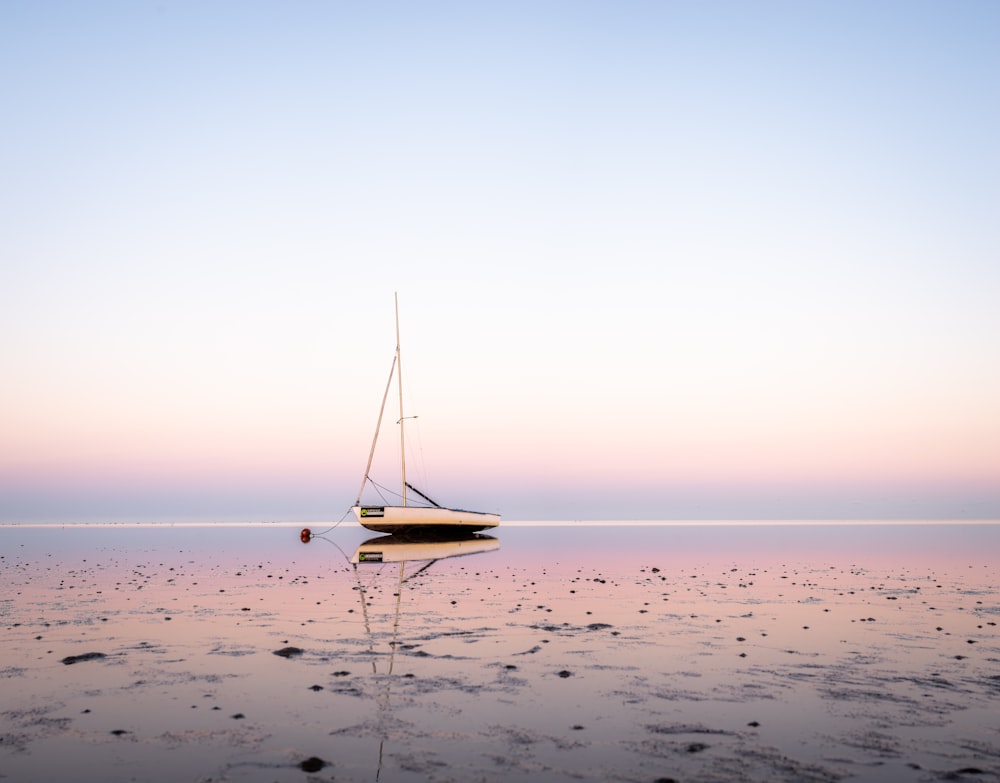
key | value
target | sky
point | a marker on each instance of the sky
(655, 260)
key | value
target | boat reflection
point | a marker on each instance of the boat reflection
(420, 551)
(401, 549)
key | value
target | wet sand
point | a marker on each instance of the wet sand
(210, 655)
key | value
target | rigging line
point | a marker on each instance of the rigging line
(378, 424)
(402, 429)
(383, 707)
(429, 500)
(415, 445)
(416, 461)
(395, 624)
(347, 559)
(420, 570)
(362, 589)
(319, 537)
(333, 527)
(363, 594)
(422, 467)
(383, 491)
(380, 489)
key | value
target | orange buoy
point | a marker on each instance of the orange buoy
(305, 536)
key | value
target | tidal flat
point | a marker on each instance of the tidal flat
(648, 653)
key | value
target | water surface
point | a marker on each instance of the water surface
(566, 652)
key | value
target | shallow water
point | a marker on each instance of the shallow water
(595, 653)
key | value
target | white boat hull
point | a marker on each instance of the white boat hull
(402, 519)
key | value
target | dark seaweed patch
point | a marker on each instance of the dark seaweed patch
(91, 656)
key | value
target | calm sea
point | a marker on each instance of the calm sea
(903, 543)
(559, 652)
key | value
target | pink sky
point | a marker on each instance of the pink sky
(647, 267)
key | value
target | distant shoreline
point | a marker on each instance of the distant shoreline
(533, 523)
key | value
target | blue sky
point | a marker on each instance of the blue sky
(655, 260)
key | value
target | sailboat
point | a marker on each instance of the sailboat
(426, 516)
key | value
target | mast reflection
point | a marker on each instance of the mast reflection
(421, 551)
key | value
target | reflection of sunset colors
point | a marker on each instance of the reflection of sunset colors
(651, 265)
(722, 652)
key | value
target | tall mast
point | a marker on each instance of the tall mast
(402, 437)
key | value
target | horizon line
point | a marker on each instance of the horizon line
(531, 523)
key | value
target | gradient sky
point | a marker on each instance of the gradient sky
(654, 259)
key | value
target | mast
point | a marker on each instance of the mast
(402, 437)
